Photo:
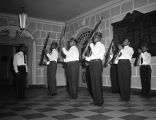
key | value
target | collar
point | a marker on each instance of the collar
(20, 52)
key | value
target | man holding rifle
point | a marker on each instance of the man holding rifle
(72, 67)
(52, 56)
(96, 68)
(124, 69)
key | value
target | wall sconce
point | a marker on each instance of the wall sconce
(22, 18)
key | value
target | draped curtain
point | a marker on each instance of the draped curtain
(138, 28)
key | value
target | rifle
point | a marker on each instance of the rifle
(107, 57)
(91, 36)
(43, 50)
(61, 36)
(137, 61)
(60, 42)
(116, 54)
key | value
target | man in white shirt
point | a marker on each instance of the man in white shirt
(72, 67)
(51, 68)
(96, 68)
(145, 70)
(124, 69)
(20, 68)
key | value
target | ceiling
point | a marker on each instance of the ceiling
(57, 10)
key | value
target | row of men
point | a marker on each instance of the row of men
(123, 61)
(121, 80)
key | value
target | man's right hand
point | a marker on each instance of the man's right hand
(83, 57)
(120, 46)
(90, 41)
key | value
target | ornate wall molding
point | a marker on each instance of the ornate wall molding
(14, 31)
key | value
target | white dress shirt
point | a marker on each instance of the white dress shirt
(53, 56)
(126, 53)
(98, 51)
(18, 61)
(146, 58)
(72, 54)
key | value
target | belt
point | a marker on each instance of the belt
(72, 61)
(124, 59)
(53, 61)
(145, 65)
(94, 60)
(20, 65)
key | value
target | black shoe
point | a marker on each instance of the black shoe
(74, 97)
(147, 95)
(22, 98)
(53, 94)
(99, 104)
(91, 103)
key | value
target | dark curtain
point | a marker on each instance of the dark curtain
(138, 28)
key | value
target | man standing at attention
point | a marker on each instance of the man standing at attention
(20, 68)
(145, 70)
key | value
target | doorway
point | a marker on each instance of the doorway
(6, 69)
(31, 58)
(6, 64)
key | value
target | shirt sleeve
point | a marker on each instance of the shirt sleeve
(69, 52)
(15, 64)
(48, 55)
(64, 51)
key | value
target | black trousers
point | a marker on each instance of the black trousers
(20, 82)
(114, 78)
(88, 81)
(51, 77)
(96, 69)
(124, 78)
(72, 71)
(145, 75)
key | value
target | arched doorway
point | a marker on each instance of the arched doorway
(82, 38)
(13, 39)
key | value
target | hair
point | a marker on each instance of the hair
(99, 34)
(145, 45)
(73, 39)
(21, 47)
(55, 44)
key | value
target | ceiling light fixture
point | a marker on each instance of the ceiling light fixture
(22, 18)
